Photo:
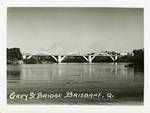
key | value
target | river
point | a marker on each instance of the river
(124, 84)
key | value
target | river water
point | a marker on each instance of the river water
(114, 84)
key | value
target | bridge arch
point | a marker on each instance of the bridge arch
(60, 58)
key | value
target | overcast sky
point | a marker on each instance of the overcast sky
(71, 30)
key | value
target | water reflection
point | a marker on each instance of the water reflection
(77, 73)
(125, 82)
(13, 74)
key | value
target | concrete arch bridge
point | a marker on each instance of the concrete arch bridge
(59, 58)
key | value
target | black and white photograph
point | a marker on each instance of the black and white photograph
(75, 56)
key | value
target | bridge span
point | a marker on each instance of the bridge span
(88, 58)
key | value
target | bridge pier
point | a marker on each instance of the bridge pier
(89, 59)
(114, 58)
(60, 58)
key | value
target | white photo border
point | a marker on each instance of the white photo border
(4, 108)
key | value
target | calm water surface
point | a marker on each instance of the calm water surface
(125, 83)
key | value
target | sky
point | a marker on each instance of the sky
(73, 30)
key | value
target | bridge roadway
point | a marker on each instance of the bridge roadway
(88, 58)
